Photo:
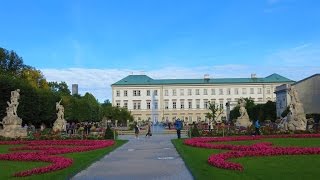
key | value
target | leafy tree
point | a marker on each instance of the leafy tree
(10, 62)
(60, 88)
(215, 111)
(34, 77)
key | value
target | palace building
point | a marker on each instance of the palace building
(187, 99)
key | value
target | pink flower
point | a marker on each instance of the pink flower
(258, 149)
(45, 151)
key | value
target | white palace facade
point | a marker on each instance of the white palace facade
(187, 99)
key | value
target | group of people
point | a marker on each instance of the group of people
(178, 126)
(137, 130)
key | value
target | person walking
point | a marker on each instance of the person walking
(136, 130)
(178, 126)
(149, 130)
(257, 126)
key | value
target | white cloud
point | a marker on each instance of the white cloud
(304, 54)
(98, 81)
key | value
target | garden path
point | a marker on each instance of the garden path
(143, 158)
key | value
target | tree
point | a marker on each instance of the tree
(34, 77)
(61, 88)
(215, 111)
(10, 62)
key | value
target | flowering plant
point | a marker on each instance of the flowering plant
(46, 151)
(258, 149)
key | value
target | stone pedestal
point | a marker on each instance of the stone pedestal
(59, 125)
(12, 127)
(297, 119)
(243, 121)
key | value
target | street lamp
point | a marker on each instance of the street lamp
(228, 110)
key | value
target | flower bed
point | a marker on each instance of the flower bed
(46, 150)
(258, 149)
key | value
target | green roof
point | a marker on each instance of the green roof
(146, 80)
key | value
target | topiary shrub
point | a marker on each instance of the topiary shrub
(195, 131)
(109, 133)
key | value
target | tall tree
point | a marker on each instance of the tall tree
(34, 77)
(61, 88)
(10, 62)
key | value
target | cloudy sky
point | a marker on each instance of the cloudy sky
(98, 42)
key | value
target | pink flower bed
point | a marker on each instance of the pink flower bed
(45, 151)
(258, 149)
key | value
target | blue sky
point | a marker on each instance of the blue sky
(95, 43)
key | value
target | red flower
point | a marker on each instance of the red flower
(258, 149)
(45, 151)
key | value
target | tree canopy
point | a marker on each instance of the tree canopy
(38, 97)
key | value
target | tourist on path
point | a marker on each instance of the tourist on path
(136, 130)
(149, 130)
(178, 126)
(257, 126)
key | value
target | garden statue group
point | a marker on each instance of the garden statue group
(12, 123)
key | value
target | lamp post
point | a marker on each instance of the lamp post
(228, 111)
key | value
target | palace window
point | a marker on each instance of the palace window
(198, 103)
(181, 92)
(166, 105)
(166, 92)
(244, 90)
(251, 91)
(174, 105)
(190, 104)
(236, 91)
(136, 92)
(148, 105)
(213, 92)
(182, 104)
(220, 91)
(205, 92)
(197, 92)
(174, 92)
(125, 104)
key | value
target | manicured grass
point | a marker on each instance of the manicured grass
(80, 161)
(274, 167)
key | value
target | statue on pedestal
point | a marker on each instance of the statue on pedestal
(296, 118)
(243, 119)
(60, 124)
(12, 123)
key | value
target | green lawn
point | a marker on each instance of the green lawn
(80, 161)
(275, 167)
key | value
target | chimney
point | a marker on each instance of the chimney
(253, 76)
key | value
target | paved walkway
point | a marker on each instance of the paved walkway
(154, 158)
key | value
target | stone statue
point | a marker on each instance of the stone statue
(12, 123)
(296, 118)
(243, 112)
(60, 109)
(60, 124)
(243, 119)
(15, 95)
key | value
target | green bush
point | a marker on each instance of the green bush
(109, 133)
(195, 131)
